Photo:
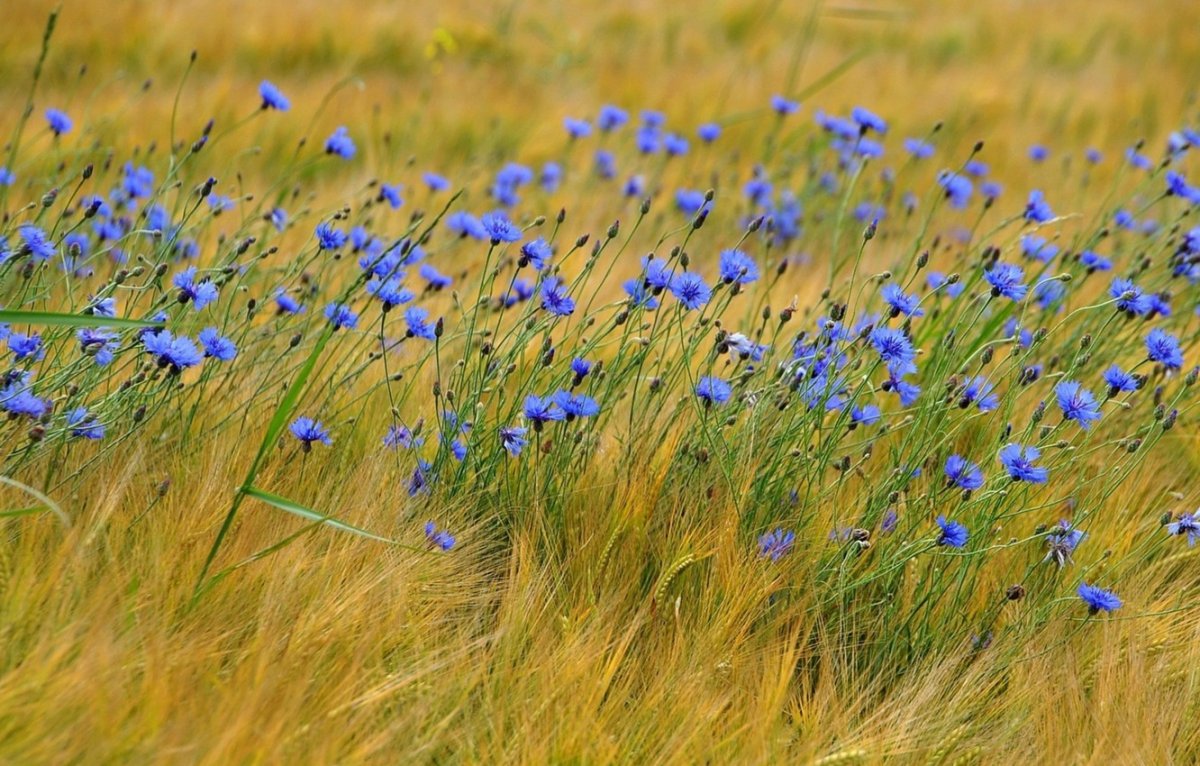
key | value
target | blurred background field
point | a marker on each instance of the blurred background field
(333, 651)
(461, 80)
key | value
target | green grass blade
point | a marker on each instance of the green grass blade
(291, 506)
(55, 319)
(45, 501)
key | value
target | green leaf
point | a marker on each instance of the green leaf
(46, 502)
(291, 506)
(51, 318)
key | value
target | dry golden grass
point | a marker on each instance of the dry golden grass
(336, 650)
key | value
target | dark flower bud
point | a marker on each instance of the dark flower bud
(1015, 592)
(583, 240)
(612, 230)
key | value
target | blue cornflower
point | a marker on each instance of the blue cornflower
(419, 326)
(917, 148)
(606, 164)
(340, 143)
(895, 349)
(963, 474)
(611, 118)
(438, 538)
(536, 253)
(540, 411)
(980, 392)
(401, 436)
(1038, 248)
(84, 425)
(419, 482)
(220, 348)
(1186, 524)
(868, 120)
(713, 391)
(1094, 261)
(953, 533)
(200, 294)
(936, 280)
(1019, 462)
(692, 201)
(1038, 153)
(577, 128)
(658, 274)
(308, 431)
(391, 292)
(555, 298)
(958, 188)
(640, 294)
(1162, 347)
(37, 243)
(329, 238)
(709, 132)
(466, 225)
(1062, 542)
(575, 405)
(98, 343)
(512, 439)
(285, 303)
(522, 290)
(176, 353)
(1177, 186)
(1077, 403)
(866, 415)
(272, 97)
(435, 278)
(744, 348)
(737, 266)
(776, 543)
(675, 145)
(894, 296)
(1098, 599)
(25, 346)
(59, 122)
(784, 106)
(390, 193)
(551, 176)
(1120, 381)
(690, 290)
(17, 399)
(499, 228)
(976, 168)
(1005, 279)
(341, 316)
(581, 367)
(7, 177)
(435, 182)
(1130, 298)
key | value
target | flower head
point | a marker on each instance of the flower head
(953, 534)
(340, 144)
(59, 122)
(309, 431)
(84, 425)
(272, 97)
(1019, 462)
(555, 298)
(713, 390)
(1162, 347)
(691, 291)
(1077, 403)
(175, 353)
(513, 440)
(199, 294)
(1098, 599)
(1186, 524)
(216, 346)
(438, 538)
(341, 316)
(776, 543)
(963, 474)
(1005, 279)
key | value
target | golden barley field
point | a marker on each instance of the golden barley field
(610, 593)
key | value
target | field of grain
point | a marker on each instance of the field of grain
(544, 382)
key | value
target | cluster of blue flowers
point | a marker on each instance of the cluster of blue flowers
(981, 367)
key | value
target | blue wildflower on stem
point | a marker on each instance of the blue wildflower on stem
(1077, 403)
(308, 431)
(776, 543)
(953, 534)
(1097, 599)
(1019, 462)
(272, 97)
(438, 538)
